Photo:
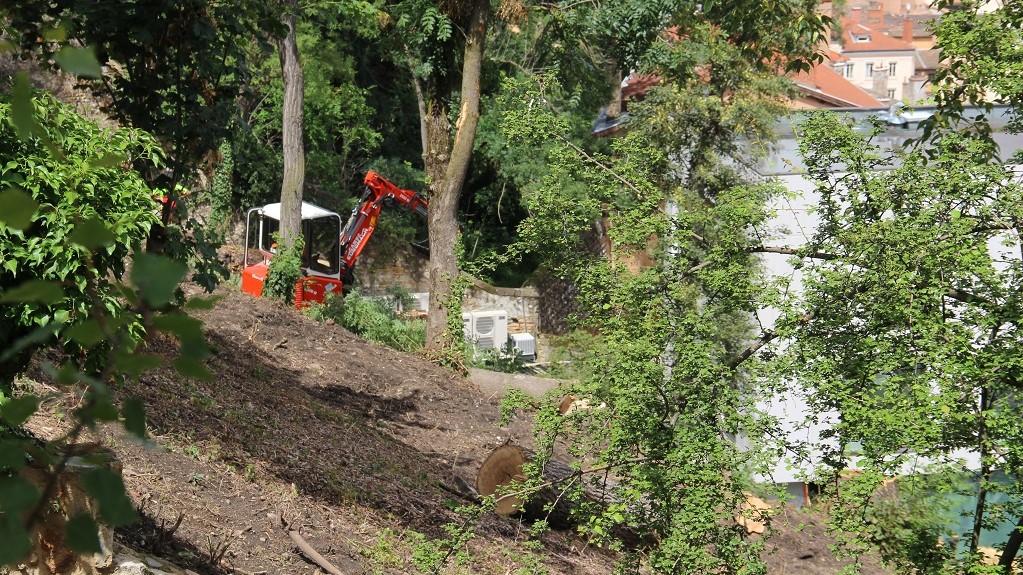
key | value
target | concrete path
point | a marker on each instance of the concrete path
(498, 383)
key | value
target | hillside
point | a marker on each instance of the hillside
(358, 447)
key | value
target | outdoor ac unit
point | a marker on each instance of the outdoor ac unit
(525, 344)
(486, 329)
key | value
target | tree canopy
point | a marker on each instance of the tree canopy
(902, 332)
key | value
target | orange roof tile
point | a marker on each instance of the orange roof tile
(836, 57)
(825, 84)
(878, 42)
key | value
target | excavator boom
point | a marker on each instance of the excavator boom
(363, 221)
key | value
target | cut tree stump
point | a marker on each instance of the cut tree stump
(503, 467)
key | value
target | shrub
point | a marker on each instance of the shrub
(93, 210)
(373, 320)
(285, 271)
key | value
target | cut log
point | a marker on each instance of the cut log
(570, 404)
(502, 470)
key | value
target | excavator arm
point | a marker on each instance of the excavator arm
(363, 221)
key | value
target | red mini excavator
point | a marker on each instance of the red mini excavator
(330, 251)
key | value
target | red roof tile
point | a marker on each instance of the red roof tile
(878, 42)
(827, 85)
(836, 57)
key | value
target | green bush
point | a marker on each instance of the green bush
(373, 320)
(94, 209)
(505, 360)
(285, 271)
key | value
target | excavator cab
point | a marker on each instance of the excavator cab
(331, 249)
(321, 253)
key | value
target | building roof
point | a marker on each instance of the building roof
(836, 57)
(928, 59)
(922, 25)
(824, 84)
(877, 41)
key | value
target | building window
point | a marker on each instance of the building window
(891, 93)
(870, 71)
(849, 70)
(891, 69)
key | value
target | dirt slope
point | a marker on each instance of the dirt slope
(355, 445)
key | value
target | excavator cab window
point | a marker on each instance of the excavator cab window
(321, 254)
(267, 228)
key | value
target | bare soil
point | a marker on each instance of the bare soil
(358, 447)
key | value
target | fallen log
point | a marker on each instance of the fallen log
(502, 470)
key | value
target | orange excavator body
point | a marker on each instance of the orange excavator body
(331, 251)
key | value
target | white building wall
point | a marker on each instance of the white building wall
(879, 82)
(793, 226)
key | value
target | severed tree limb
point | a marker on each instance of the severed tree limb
(791, 252)
(754, 347)
(308, 550)
(312, 554)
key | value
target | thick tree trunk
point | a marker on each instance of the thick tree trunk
(447, 165)
(294, 154)
(502, 470)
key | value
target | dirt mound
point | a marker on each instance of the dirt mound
(326, 420)
(360, 448)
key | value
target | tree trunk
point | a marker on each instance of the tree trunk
(294, 154)
(1012, 546)
(447, 165)
(503, 467)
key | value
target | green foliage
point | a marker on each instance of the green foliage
(986, 50)
(505, 360)
(189, 99)
(671, 326)
(285, 270)
(221, 190)
(70, 185)
(374, 320)
(84, 196)
(571, 354)
(514, 400)
(910, 285)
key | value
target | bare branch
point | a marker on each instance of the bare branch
(763, 340)
(791, 252)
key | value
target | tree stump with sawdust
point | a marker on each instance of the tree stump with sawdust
(503, 468)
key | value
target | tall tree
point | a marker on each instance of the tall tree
(673, 302)
(445, 42)
(911, 290)
(294, 153)
(912, 283)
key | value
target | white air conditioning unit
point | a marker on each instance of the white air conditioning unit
(486, 329)
(525, 344)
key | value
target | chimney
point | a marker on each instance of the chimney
(875, 14)
(907, 30)
(856, 14)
